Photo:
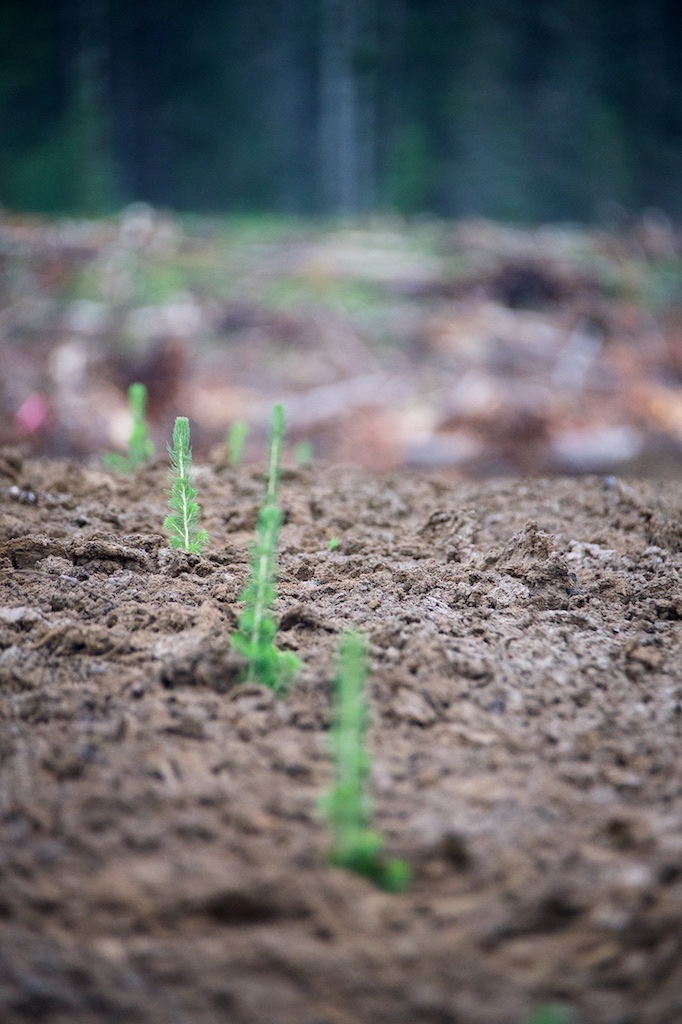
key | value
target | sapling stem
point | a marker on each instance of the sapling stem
(346, 806)
(184, 517)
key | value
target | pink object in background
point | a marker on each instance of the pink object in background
(31, 414)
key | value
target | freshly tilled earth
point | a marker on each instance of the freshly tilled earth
(162, 856)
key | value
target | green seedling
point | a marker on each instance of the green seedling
(333, 543)
(255, 636)
(552, 1013)
(276, 441)
(346, 807)
(184, 517)
(235, 442)
(140, 445)
(303, 453)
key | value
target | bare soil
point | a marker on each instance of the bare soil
(161, 854)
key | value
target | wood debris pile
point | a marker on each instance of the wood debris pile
(473, 348)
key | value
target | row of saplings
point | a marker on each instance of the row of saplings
(345, 807)
(356, 846)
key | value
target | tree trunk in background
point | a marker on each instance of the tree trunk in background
(347, 106)
(91, 120)
(366, 57)
(657, 104)
(393, 119)
(285, 103)
(520, 109)
(338, 109)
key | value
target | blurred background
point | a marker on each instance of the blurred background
(444, 232)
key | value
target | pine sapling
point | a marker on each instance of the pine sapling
(140, 445)
(254, 638)
(235, 442)
(184, 517)
(346, 807)
(304, 453)
(276, 441)
(551, 1013)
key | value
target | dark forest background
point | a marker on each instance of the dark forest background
(516, 109)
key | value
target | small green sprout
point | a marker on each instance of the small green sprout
(185, 514)
(235, 442)
(255, 636)
(346, 807)
(276, 439)
(140, 445)
(333, 543)
(551, 1013)
(303, 453)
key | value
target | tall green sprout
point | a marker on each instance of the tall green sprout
(551, 1013)
(185, 514)
(236, 439)
(346, 807)
(254, 638)
(276, 441)
(140, 445)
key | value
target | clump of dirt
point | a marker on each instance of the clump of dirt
(161, 854)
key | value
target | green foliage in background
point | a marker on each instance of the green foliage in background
(236, 439)
(140, 445)
(545, 110)
(304, 453)
(57, 153)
